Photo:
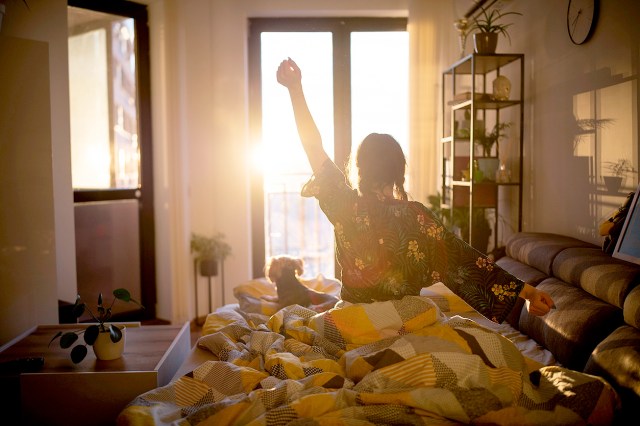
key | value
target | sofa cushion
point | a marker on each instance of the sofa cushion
(632, 308)
(572, 330)
(525, 273)
(617, 359)
(538, 249)
(599, 274)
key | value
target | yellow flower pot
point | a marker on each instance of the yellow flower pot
(105, 349)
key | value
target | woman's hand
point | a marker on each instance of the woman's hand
(538, 302)
(289, 74)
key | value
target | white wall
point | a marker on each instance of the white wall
(564, 192)
(50, 273)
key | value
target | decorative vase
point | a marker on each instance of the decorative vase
(208, 267)
(105, 349)
(501, 88)
(485, 43)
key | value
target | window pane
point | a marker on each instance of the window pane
(295, 225)
(102, 93)
(380, 85)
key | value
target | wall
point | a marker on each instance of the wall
(566, 86)
(39, 219)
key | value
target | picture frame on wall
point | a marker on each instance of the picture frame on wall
(628, 245)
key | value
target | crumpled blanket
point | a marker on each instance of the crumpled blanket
(393, 362)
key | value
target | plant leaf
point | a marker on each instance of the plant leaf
(91, 335)
(115, 333)
(68, 339)
(100, 300)
(78, 353)
(58, 334)
(122, 294)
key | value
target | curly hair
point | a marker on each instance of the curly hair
(379, 161)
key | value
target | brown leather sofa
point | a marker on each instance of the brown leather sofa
(595, 327)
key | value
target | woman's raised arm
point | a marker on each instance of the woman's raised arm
(289, 76)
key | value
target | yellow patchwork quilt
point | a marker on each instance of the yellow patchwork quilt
(394, 362)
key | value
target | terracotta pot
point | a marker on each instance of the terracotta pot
(485, 43)
(105, 349)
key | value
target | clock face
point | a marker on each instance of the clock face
(581, 19)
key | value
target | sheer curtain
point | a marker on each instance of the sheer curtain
(432, 47)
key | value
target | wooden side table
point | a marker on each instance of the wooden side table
(92, 392)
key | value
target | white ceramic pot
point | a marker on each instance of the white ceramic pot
(105, 349)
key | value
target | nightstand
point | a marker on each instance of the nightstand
(92, 392)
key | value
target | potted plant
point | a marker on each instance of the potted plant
(209, 251)
(107, 339)
(619, 170)
(487, 140)
(488, 26)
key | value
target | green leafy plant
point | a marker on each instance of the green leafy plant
(210, 248)
(101, 316)
(488, 22)
(621, 167)
(486, 140)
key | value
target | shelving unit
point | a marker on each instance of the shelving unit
(482, 188)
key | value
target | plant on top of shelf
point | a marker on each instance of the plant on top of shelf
(92, 332)
(208, 251)
(487, 25)
(487, 140)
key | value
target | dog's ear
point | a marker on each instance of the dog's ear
(299, 266)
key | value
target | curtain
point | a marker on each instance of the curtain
(432, 46)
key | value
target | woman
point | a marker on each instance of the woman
(387, 246)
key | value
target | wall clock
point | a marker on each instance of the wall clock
(582, 16)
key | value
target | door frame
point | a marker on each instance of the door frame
(144, 194)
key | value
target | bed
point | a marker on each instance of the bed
(427, 359)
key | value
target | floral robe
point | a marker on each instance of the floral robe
(389, 248)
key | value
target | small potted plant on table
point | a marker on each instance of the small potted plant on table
(107, 339)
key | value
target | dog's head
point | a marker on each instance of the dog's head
(276, 264)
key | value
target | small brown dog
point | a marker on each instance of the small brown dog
(283, 271)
